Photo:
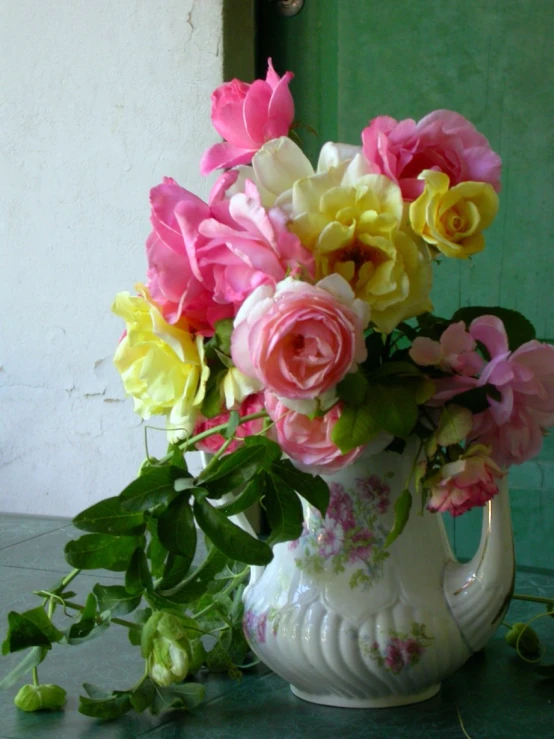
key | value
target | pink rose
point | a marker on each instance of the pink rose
(247, 116)
(211, 444)
(308, 441)
(470, 481)
(252, 247)
(443, 141)
(204, 260)
(455, 352)
(300, 340)
(175, 216)
(514, 425)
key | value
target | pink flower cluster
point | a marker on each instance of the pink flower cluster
(307, 440)
(442, 140)
(514, 424)
(205, 259)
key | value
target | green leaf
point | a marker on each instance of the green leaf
(234, 419)
(137, 576)
(374, 345)
(455, 423)
(177, 457)
(283, 509)
(222, 335)
(232, 471)
(228, 537)
(273, 451)
(32, 698)
(116, 599)
(32, 659)
(23, 633)
(175, 570)
(311, 487)
(143, 695)
(476, 399)
(156, 552)
(190, 588)
(352, 388)
(518, 328)
(401, 514)
(108, 517)
(392, 407)
(401, 369)
(153, 488)
(213, 403)
(95, 551)
(105, 708)
(183, 696)
(176, 528)
(355, 427)
(251, 493)
(39, 617)
(87, 627)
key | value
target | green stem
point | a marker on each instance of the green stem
(226, 590)
(533, 599)
(119, 621)
(68, 578)
(507, 625)
(35, 677)
(187, 443)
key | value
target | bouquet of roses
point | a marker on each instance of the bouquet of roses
(284, 326)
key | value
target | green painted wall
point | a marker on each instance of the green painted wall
(491, 60)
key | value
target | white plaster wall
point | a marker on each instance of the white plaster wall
(99, 100)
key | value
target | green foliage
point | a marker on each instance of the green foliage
(23, 633)
(176, 529)
(108, 517)
(284, 510)
(230, 538)
(116, 599)
(402, 509)
(155, 487)
(356, 426)
(101, 551)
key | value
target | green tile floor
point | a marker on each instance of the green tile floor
(496, 695)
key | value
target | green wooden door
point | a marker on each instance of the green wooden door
(492, 61)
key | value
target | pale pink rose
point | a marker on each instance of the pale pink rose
(300, 340)
(470, 481)
(252, 248)
(308, 441)
(514, 425)
(454, 352)
(246, 116)
(175, 216)
(442, 140)
(212, 444)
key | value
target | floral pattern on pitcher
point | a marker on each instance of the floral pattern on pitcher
(350, 535)
(255, 625)
(401, 651)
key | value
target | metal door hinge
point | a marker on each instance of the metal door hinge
(288, 7)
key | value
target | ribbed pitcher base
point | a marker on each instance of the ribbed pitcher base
(387, 701)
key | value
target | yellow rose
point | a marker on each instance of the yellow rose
(162, 366)
(452, 219)
(353, 222)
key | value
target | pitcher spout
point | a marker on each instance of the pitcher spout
(478, 592)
